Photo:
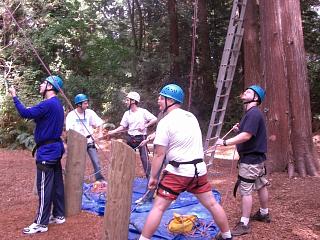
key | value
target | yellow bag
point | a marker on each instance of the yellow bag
(182, 223)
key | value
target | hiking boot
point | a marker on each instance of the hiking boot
(56, 220)
(219, 237)
(261, 218)
(35, 228)
(240, 229)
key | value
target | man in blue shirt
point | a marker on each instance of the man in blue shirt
(49, 118)
(251, 143)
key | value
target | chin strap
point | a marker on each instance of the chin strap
(131, 102)
(258, 101)
(166, 108)
(47, 90)
(253, 101)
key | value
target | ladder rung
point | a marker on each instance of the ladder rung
(210, 139)
(237, 19)
(240, 3)
(228, 65)
(220, 110)
(223, 95)
(216, 124)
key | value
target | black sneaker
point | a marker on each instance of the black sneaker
(261, 218)
(240, 229)
(219, 237)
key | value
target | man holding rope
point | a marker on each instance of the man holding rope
(84, 120)
(136, 120)
(178, 138)
(251, 142)
(49, 118)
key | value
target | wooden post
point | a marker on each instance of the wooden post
(75, 167)
(120, 178)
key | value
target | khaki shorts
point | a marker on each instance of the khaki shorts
(252, 171)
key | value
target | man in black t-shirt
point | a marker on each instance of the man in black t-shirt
(251, 143)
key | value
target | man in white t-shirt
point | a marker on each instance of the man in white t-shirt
(136, 120)
(84, 120)
(179, 140)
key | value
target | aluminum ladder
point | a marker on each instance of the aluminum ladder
(226, 73)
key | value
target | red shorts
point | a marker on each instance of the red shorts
(172, 185)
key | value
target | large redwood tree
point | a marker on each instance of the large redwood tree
(285, 77)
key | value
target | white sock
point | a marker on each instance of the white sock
(226, 235)
(245, 220)
(264, 211)
(143, 238)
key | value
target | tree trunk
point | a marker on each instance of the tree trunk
(284, 71)
(174, 40)
(301, 134)
(141, 26)
(204, 79)
(251, 45)
(275, 78)
(133, 30)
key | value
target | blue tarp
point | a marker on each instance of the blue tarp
(186, 204)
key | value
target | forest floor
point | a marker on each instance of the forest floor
(294, 203)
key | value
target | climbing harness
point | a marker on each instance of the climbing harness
(44, 143)
(247, 180)
(194, 162)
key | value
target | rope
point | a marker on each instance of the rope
(193, 49)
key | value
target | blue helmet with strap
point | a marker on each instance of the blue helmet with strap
(261, 93)
(173, 91)
(80, 98)
(56, 82)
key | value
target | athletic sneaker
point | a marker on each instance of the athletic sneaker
(56, 220)
(35, 228)
(261, 218)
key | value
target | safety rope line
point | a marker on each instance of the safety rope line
(49, 73)
(228, 189)
(193, 50)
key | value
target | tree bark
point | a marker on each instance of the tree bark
(284, 72)
(121, 174)
(251, 45)
(275, 78)
(301, 134)
(141, 27)
(204, 79)
(174, 39)
(133, 30)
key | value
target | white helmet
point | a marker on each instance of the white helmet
(134, 96)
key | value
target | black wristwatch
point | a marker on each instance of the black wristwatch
(224, 142)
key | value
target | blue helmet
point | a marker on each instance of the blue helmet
(80, 98)
(56, 82)
(259, 91)
(173, 91)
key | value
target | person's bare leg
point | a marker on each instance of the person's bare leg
(208, 201)
(153, 220)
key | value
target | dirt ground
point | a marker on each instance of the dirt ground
(294, 203)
